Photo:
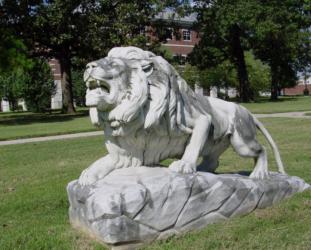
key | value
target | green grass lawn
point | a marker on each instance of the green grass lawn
(34, 206)
(284, 104)
(26, 124)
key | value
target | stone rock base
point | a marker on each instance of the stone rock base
(139, 205)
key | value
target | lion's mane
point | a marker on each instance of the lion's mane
(156, 112)
(157, 95)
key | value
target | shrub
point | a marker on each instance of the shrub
(78, 87)
(39, 87)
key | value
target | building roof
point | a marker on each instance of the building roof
(172, 17)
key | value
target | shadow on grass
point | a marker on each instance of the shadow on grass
(29, 118)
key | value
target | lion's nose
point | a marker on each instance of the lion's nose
(89, 68)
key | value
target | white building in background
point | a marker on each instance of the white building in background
(198, 89)
(57, 98)
(5, 105)
(214, 91)
(201, 91)
(21, 103)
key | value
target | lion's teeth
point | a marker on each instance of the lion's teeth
(98, 83)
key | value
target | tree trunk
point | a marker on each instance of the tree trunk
(14, 104)
(246, 94)
(274, 83)
(274, 93)
(66, 83)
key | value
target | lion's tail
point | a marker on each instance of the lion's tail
(275, 150)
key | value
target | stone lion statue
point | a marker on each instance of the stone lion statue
(149, 113)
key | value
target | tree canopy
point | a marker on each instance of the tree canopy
(281, 38)
(78, 30)
(276, 31)
(224, 26)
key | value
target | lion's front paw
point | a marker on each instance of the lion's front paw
(92, 174)
(98, 170)
(88, 177)
(182, 166)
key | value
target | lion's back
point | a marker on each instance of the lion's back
(225, 107)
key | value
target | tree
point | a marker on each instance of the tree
(11, 83)
(222, 76)
(278, 33)
(34, 84)
(224, 26)
(13, 63)
(85, 29)
(79, 87)
(259, 74)
(281, 38)
(13, 53)
(38, 86)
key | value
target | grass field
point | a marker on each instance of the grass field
(284, 104)
(34, 206)
(26, 124)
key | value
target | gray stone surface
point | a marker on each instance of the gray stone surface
(134, 205)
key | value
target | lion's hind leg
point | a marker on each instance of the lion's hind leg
(261, 168)
(251, 148)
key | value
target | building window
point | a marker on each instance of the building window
(186, 35)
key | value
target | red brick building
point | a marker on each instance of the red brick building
(299, 88)
(181, 38)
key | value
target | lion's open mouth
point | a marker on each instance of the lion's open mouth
(94, 84)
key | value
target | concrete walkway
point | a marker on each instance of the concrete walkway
(99, 133)
(287, 115)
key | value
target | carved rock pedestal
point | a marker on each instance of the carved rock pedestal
(137, 205)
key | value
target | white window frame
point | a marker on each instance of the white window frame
(183, 36)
